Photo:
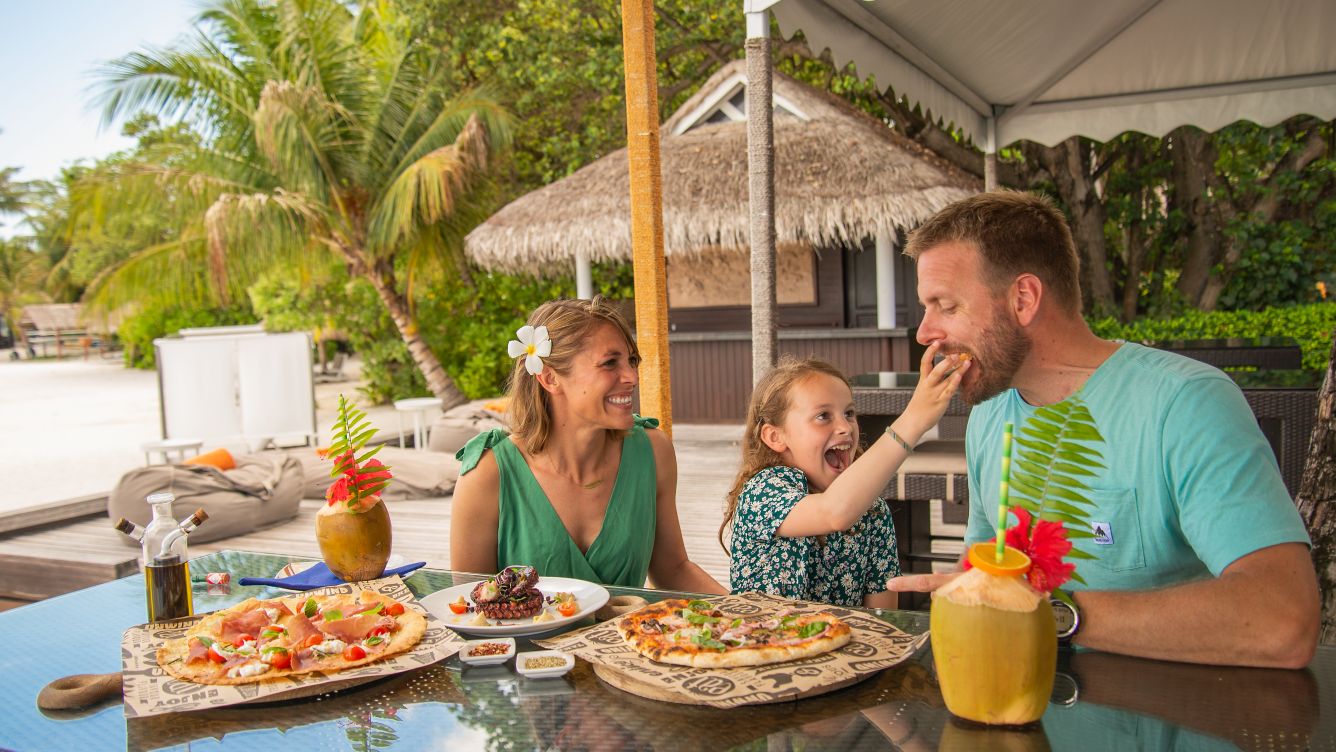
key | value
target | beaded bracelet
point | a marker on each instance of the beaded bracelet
(905, 444)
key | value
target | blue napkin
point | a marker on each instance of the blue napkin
(318, 576)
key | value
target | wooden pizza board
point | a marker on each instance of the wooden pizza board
(629, 683)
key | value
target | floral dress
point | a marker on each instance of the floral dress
(848, 566)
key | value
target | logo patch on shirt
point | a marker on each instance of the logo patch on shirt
(1103, 533)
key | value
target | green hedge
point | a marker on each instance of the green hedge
(138, 331)
(1311, 325)
(466, 326)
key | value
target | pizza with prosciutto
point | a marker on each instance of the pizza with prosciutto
(258, 641)
(695, 633)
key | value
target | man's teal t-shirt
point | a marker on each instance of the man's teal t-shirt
(1191, 484)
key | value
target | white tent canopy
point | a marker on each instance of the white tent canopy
(1045, 70)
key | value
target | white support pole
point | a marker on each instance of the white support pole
(584, 281)
(990, 157)
(885, 279)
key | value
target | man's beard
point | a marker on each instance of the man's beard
(1002, 349)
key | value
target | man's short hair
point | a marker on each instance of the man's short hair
(1015, 233)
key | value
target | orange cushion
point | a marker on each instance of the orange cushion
(219, 458)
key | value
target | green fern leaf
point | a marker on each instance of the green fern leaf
(1056, 450)
(352, 430)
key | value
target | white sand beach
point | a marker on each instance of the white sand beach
(72, 427)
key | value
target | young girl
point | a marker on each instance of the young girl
(807, 520)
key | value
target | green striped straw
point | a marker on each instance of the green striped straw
(1004, 492)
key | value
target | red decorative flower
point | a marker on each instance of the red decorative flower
(341, 490)
(368, 472)
(1045, 543)
(338, 491)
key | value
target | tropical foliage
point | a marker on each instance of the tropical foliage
(359, 476)
(1057, 450)
(310, 162)
(21, 272)
(327, 133)
(1312, 326)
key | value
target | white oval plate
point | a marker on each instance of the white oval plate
(590, 597)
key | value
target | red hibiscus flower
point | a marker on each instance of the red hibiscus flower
(338, 491)
(368, 477)
(1046, 544)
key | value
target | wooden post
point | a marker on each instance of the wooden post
(761, 193)
(642, 148)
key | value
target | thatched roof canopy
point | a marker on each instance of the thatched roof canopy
(52, 317)
(840, 176)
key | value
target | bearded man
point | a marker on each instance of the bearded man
(1200, 554)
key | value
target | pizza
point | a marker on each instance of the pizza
(695, 633)
(266, 640)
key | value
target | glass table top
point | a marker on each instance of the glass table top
(1115, 702)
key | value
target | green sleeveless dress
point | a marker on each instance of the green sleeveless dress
(530, 532)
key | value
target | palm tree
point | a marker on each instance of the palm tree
(21, 275)
(12, 192)
(326, 134)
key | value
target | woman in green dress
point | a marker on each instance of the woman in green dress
(580, 487)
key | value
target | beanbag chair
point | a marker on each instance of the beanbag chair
(219, 458)
(452, 430)
(260, 491)
(417, 474)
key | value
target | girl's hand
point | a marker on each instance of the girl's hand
(936, 386)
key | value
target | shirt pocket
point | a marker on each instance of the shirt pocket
(1118, 512)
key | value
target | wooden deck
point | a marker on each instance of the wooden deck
(64, 547)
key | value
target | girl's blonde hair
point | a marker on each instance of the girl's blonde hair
(569, 323)
(769, 404)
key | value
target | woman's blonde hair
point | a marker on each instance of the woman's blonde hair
(569, 323)
(769, 404)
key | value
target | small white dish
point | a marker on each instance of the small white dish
(491, 659)
(523, 661)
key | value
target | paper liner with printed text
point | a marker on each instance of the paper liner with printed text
(876, 645)
(149, 690)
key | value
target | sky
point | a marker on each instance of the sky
(49, 51)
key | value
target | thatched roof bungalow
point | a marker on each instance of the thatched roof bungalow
(845, 183)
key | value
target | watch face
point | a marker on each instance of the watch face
(1065, 617)
(1065, 690)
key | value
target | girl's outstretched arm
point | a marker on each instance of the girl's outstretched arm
(853, 492)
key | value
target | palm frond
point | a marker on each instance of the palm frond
(351, 432)
(1055, 452)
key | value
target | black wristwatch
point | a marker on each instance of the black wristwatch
(1068, 619)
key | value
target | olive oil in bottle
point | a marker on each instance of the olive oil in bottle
(167, 589)
(166, 572)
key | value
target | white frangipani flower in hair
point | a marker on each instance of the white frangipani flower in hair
(534, 345)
